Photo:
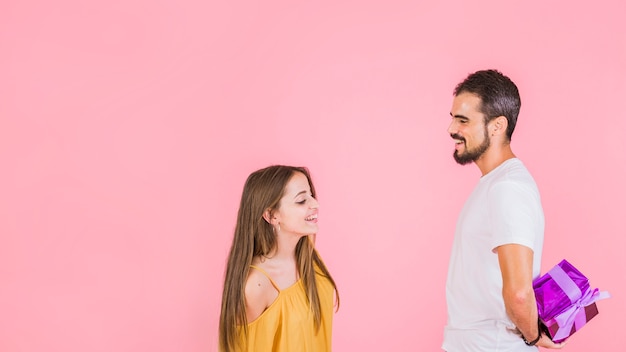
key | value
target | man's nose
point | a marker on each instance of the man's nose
(452, 128)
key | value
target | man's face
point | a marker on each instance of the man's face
(468, 128)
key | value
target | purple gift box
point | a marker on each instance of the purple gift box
(565, 302)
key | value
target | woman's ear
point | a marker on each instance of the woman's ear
(267, 215)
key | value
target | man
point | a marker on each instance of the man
(499, 236)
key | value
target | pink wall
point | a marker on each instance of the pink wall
(127, 129)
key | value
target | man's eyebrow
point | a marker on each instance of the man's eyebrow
(459, 116)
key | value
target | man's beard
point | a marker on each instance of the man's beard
(469, 156)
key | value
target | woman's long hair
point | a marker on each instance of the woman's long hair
(255, 237)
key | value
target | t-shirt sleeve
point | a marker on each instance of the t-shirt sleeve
(513, 215)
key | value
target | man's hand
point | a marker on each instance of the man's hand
(545, 342)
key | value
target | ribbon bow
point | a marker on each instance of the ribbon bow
(572, 317)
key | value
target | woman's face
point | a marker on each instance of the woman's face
(297, 209)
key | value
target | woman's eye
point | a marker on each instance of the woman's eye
(302, 201)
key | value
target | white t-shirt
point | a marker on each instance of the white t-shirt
(504, 208)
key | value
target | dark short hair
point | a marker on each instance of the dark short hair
(498, 94)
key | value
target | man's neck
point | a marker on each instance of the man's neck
(494, 157)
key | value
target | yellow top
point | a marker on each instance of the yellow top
(287, 324)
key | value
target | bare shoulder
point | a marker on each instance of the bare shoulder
(260, 293)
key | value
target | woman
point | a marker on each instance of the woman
(278, 294)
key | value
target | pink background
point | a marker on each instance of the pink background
(127, 129)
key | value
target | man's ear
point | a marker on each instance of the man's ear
(499, 125)
(267, 215)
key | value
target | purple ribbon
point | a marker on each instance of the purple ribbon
(565, 283)
(572, 316)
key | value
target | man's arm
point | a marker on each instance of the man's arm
(516, 265)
